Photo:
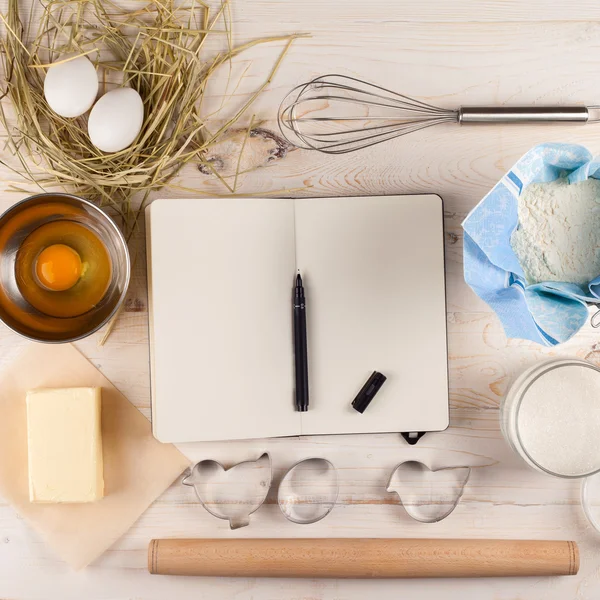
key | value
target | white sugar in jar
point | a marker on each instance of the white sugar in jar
(551, 417)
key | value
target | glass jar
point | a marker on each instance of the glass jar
(551, 417)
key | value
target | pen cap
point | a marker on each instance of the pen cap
(368, 391)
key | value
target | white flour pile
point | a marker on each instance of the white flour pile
(559, 420)
(558, 236)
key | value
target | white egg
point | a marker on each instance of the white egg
(116, 119)
(71, 87)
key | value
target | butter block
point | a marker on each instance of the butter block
(64, 443)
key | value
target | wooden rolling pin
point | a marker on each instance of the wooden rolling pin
(362, 558)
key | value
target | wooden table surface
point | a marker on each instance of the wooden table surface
(451, 52)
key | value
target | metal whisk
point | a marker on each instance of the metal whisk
(336, 114)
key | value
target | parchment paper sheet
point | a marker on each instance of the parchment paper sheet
(137, 468)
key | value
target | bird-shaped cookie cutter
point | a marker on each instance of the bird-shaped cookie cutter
(428, 495)
(231, 494)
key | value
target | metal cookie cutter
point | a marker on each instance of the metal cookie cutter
(232, 494)
(308, 491)
(428, 495)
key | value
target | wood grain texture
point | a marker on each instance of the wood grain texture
(452, 53)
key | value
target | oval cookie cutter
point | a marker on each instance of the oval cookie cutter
(428, 495)
(308, 491)
(231, 494)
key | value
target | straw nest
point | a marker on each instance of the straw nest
(159, 50)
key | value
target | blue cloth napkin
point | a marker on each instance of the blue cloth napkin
(548, 313)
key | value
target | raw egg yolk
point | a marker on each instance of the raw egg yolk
(58, 267)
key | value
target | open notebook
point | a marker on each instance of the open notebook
(221, 275)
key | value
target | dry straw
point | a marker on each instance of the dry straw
(158, 49)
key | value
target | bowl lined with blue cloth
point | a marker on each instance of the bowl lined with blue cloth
(548, 313)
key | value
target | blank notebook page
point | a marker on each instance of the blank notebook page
(220, 291)
(220, 305)
(373, 271)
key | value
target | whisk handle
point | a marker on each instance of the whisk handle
(523, 114)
